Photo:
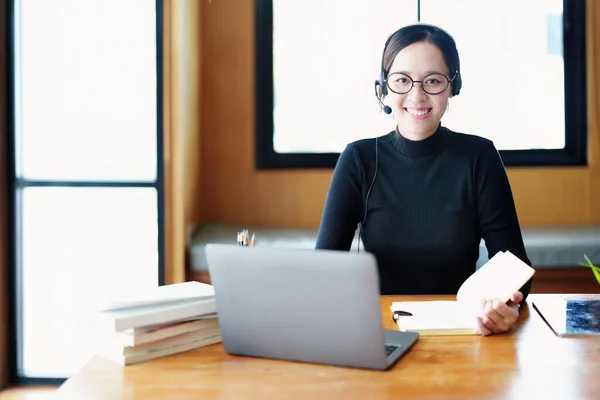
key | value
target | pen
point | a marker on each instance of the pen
(397, 314)
(243, 238)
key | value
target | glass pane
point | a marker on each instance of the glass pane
(324, 75)
(512, 70)
(326, 58)
(86, 96)
(80, 247)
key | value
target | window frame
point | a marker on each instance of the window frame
(16, 186)
(576, 130)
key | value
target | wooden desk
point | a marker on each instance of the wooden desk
(529, 362)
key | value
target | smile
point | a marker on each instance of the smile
(418, 112)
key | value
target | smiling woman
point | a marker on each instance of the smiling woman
(429, 56)
(423, 196)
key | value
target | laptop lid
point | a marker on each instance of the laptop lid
(315, 306)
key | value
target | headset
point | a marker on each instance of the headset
(381, 92)
(381, 83)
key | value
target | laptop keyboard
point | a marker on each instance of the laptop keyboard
(389, 349)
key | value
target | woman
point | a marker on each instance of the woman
(423, 195)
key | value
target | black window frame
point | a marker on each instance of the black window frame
(17, 184)
(576, 130)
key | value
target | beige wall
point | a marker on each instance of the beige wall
(235, 192)
(182, 22)
(593, 49)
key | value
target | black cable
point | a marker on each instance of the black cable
(368, 193)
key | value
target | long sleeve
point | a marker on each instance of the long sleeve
(498, 221)
(343, 205)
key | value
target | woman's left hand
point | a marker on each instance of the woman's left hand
(498, 317)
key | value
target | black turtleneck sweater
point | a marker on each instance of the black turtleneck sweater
(430, 204)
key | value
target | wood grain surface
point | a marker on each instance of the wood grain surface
(528, 362)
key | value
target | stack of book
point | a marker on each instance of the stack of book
(167, 320)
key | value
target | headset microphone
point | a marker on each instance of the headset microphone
(378, 91)
(386, 109)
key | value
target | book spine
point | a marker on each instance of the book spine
(167, 315)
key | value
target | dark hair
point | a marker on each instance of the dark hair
(411, 34)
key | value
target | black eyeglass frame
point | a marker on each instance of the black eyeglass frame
(448, 82)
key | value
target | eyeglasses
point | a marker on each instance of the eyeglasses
(432, 84)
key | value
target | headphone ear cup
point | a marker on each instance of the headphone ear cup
(456, 85)
(382, 86)
(379, 89)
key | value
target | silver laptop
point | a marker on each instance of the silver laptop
(315, 306)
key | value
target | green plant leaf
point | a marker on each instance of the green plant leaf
(588, 260)
(590, 266)
(596, 274)
(595, 269)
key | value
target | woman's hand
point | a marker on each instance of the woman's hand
(498, 317)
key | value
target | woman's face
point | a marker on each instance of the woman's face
(418, 113)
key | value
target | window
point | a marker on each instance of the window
(317, 61)
(87, 172)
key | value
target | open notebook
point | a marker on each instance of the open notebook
(500, 277)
